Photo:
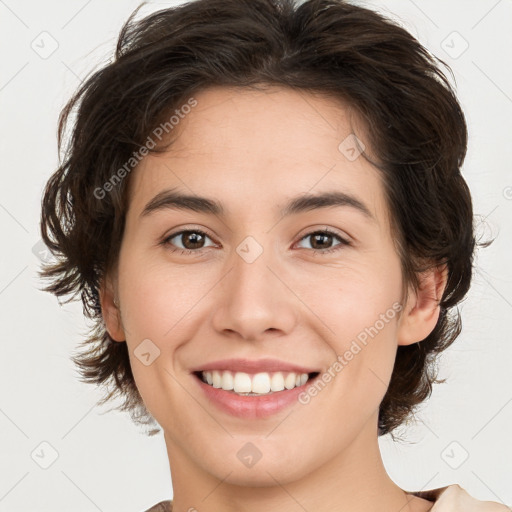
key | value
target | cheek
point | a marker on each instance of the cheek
(157, 299)
(362, 314)
(357, 301)
(160, 307)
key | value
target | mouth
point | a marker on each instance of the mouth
(253, 389)
(254, 384)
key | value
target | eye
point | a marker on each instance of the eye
(192, 240)
(324, 237)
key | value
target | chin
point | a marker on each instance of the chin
(261, 475)
(251, 462)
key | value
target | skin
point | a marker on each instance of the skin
(253, 151)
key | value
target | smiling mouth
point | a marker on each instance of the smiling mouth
(254, 384)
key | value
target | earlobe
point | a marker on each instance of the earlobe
(110, 311)
(422, 310)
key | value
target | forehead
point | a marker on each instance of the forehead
(256, 149)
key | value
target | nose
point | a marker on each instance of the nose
(253, 299)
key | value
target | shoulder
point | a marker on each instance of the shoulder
(453, 498)
(162, 506)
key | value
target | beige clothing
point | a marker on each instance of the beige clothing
(454, 498)
(451, 498)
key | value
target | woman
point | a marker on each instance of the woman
(262, 207)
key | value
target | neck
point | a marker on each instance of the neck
(354, 480)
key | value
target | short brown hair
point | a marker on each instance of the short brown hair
(415, 127)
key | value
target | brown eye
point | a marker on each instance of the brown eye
(190, 240)
(321, 241)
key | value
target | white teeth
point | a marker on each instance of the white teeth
(289, 381)
(242, 383)
(217, 379)
(258, 383)
(261, 383)
(227, 381)
(277, 382)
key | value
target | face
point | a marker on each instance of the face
(264, 287)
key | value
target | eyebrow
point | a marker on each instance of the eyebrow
(173, 199)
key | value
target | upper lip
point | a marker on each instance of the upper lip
(254, 366)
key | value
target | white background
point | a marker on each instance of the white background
(104, 463)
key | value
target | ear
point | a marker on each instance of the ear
(110, 310)
(422, 310)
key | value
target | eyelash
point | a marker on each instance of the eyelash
(343, 241)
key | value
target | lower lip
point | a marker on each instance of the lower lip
(251, 407)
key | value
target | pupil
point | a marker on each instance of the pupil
(320, 235)
(195, 243)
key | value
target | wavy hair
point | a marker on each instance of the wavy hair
(414, 123)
